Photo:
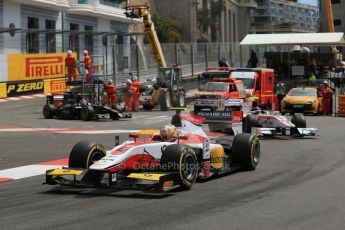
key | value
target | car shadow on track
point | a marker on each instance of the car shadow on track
(118, 193)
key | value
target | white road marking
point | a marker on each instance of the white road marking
(14, 98)
(27, 97)
(26, 171)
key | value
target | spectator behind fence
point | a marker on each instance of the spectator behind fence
(253, 60)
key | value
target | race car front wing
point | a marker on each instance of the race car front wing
(160, 181)
(272, 131)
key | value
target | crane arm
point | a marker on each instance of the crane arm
(143, 11)
(329, 15)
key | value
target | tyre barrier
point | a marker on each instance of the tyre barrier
(341, 105)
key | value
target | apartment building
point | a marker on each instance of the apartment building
(282, 16)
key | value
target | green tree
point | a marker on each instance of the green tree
(168, 30)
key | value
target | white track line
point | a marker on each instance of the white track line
(26, 171)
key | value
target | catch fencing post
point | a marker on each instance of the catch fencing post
(206, 56)
(192, 58)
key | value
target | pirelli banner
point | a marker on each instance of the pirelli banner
(28, 67)
(23, 88)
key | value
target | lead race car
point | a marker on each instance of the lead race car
(145, 163)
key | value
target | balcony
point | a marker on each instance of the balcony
(248, 3)
(98, 8)
(47, 4)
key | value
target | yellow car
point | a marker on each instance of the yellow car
(302, 100)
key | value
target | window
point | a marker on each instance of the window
(241, 89)
(337, 22)
(74, 37)
(88, 39)
(335, 1)
(50, 36)
(32, 36)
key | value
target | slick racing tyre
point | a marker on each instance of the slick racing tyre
(299, 121)
(180, 159)
(164, 101)
(246, 150)
(249, 122)
(87, 113)
(49, 111)
(85, 153)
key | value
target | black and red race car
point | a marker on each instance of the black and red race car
(145, 163)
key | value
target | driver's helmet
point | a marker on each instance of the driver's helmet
(108, 81)
(168, 133)
(83, 102)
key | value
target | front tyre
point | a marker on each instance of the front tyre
(246, 150)
(181, 100)
(299, 121)
(49, 111)
(164, 101)
(181, 159)
(85, 153)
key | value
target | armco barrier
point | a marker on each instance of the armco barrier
(3, 90)
(341, 105)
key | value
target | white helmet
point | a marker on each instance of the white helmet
(85, 52)
(168, 133)
(325, 82)
(69, 52)
(129, 82)
(135, 78)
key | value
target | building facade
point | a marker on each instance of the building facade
(233, 23)
(53, 26)
(282, 16)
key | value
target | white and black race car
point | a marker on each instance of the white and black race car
(271, 123)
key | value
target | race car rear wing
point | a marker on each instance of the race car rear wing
(232, 118)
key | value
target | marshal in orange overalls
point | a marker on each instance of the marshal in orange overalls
(71, 64)
(327, 93)
(136, 95)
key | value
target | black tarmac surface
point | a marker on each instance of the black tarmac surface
(298, 184)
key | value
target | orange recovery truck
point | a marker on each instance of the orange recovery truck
(219, 94)
(259, 85)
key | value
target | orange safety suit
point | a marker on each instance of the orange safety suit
(129, 93)
(327, 93)
(136, 95)
(110, 90)
(72, 71)
(87, 63)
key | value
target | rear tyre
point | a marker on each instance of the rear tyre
(87, 113)
(148, 107)
(85, 153)
(49, 111)
(164, 101)
(299, 121)
(180, 159)
(246, 150)
(249, 122)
